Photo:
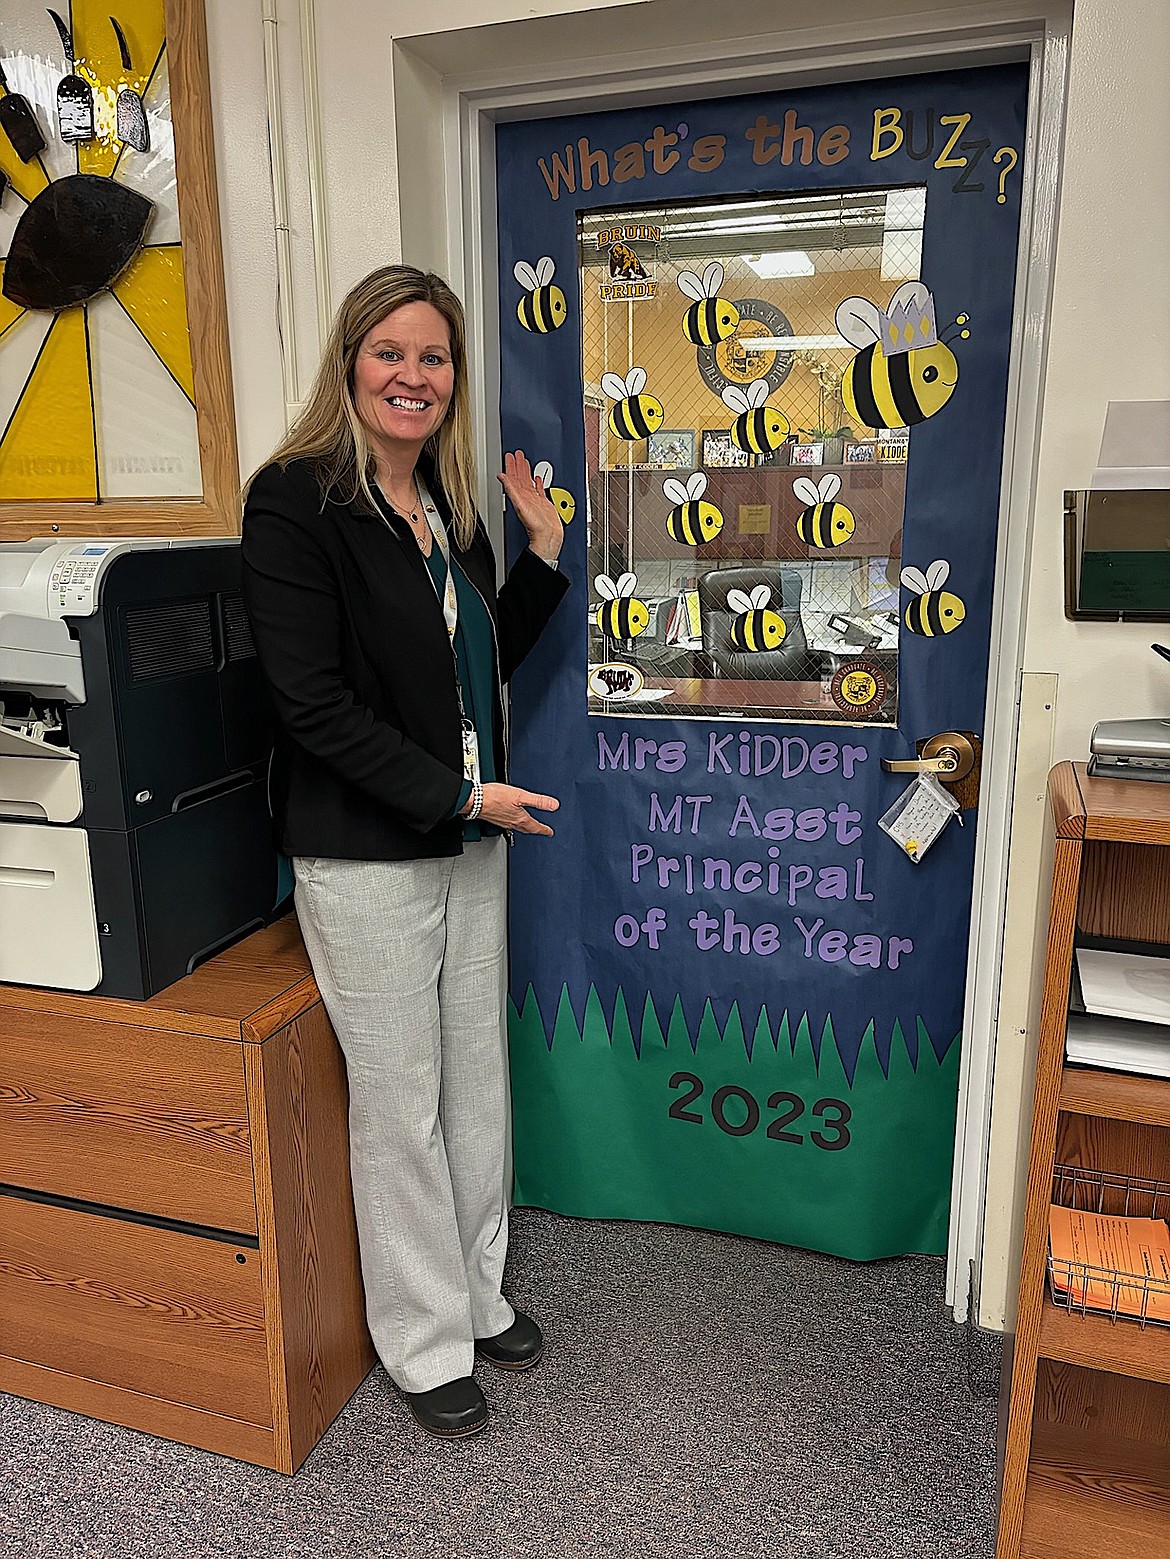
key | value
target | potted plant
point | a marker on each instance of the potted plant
(830, 410)
(833, 440)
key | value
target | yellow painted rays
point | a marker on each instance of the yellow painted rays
(96, 391)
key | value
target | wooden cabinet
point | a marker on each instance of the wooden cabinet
(634, 501)
(1086, 1419)
(177, 1244)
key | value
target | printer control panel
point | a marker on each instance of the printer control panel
(73, 578)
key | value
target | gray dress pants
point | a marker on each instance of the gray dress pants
(409, 958)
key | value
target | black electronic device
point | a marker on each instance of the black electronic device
(135, 840)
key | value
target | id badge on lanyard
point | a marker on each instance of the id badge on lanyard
(470, 749)
(450, 604)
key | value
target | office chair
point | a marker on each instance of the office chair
(792, 662)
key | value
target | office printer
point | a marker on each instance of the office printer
(134, 735)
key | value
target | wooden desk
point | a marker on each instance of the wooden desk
(177, 1243)
(729, 695)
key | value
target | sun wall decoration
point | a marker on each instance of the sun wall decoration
(98, 370)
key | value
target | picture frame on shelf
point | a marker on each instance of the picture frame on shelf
(861, 454)
(781, 456)
(672, 449)
(720, 453)
(807, 454)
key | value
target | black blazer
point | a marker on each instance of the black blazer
(351, 637)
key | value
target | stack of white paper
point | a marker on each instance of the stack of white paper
(1125, 985)
(1118, 1045)
(1126, 1025)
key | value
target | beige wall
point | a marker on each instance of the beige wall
(1114, 239)
(1109, 323)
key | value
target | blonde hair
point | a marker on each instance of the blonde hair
(331, 435)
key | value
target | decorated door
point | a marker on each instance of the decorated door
(759, 347)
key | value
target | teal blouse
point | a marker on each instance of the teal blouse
(475, 660)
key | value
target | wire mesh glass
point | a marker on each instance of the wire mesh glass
(1085, 1289)
(787, 262)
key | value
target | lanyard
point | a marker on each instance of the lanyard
(450, 604)
(447, 597)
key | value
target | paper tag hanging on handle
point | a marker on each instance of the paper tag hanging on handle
(919, 816)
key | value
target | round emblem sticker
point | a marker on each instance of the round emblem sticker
(615, 681)
(859, 688)
(737, 361)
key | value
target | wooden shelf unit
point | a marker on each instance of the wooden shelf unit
(1118, 1096)
(1094, 1496)
(176, 1224)
(1096, 1342)
(1086, 1405)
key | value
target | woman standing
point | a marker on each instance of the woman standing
(370, 584)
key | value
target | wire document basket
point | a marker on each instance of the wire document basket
(1084, 1289)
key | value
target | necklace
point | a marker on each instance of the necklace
(420, 528)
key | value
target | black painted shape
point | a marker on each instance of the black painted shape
(19, 124)
(132, 124)
(73, 240)
(123, 46)
(75, 109)
(74, 98)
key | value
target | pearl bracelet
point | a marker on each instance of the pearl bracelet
(476, 802)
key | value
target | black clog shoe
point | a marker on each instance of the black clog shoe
(456, 1408)
(519, 1348)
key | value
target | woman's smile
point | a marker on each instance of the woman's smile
(404, 377)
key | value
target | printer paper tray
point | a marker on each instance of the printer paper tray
(48, 929)
(15, 744)
(38, 779)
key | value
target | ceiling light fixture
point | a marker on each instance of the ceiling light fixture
(800, 343)
(783, 262)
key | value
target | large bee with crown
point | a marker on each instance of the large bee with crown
(710, 318)
(755, 626)
(824, 523)
(759, 429)
(621, 615)
(561, 497)
(543, 307)
(692, 520)
(905, 371)
(634, 415)
(933, 609)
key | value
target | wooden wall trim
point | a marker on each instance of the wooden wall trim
(203, 259)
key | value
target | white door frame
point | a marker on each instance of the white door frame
(473, 105)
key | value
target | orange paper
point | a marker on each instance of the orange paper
(1134, 1254)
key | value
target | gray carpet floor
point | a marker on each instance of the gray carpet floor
(702, 1395)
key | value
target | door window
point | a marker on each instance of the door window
(744, 523)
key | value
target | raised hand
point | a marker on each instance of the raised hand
(536, 510)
